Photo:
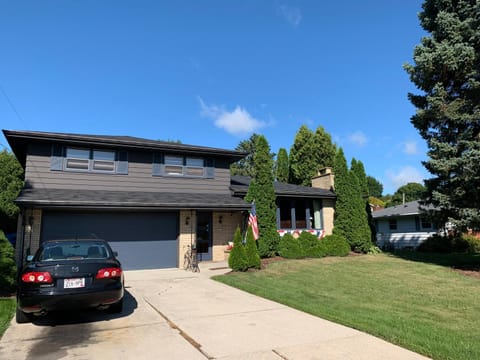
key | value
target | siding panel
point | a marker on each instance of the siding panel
(139, 178)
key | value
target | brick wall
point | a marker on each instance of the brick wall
(29, 227)
(328, 213)
(223, 232)
(187, 234)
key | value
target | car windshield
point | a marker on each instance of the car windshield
(73, 251)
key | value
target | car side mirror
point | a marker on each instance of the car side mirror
(115, 253)
(29, 258)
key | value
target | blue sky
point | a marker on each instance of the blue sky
(212, 72)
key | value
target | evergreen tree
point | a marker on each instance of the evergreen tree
(245, 166)
(375, 187)
(8, 269)
(303, 164)
(447, 71)
(282, 167)
(310, 152)
(359, 170)
(325, 150)
(253, 258)
(350, 220)
(237, 260)
(262, 192)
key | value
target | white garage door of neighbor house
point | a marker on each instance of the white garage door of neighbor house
(142, 240)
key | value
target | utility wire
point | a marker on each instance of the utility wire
(12, 106)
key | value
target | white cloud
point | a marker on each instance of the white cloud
(292, 14)
(236, 122)
(358, 138)
(403, 176)
(410, 147)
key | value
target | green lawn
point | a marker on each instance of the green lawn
(7, 308)
(422, 306)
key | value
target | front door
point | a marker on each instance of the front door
(204, 235)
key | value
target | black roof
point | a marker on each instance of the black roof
(101, 199)
(239, 186)
(19, 140)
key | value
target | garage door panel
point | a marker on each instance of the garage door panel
(143, 240)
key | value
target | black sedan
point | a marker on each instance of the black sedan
(70, 274)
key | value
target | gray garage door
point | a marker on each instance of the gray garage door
(143, 240)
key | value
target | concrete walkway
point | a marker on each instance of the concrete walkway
(175, 314)
(226, 323)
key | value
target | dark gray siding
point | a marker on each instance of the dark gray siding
(38, 174)
(143, 240)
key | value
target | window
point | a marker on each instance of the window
(174, 165)
(103, 160)
(392, 224)
(185, 166)
(77, 159)
(426, 224)
(87, 160)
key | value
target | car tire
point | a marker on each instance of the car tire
(21, 317)
(116, 308)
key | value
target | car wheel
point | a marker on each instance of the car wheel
(116, 308)
(21, 317)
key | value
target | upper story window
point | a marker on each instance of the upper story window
(89, 160)
(182, 166)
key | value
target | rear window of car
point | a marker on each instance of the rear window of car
(73, 251)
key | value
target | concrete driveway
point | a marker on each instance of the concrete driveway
(174, 314)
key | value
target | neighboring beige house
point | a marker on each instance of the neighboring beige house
(150, 199)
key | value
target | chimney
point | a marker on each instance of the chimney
(325, 179)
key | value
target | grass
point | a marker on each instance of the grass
(408, 299)
(7, 308)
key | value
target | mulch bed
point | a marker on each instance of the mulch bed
(469, 270)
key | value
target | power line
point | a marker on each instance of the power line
(12, 106)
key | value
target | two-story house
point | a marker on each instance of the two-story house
(149, 199)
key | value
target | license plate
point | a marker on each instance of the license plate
(73, 283)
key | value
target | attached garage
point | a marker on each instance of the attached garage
(143, 240)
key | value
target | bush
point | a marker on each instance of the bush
(311, 245)
(253, 259)
(8, 269)
(238, 256)
(268, 243)
(462, 243)
(335, 245)
(472, 244)
(290, 248)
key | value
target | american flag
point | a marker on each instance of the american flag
(252, 221)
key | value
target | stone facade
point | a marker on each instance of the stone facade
(187, 234)
(224, 226)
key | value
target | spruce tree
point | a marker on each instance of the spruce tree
(282, 167)
(375, 187)
(361, 240)
(446, 69)
(262, 192)
(359, 170)
(325, 149)
(253, 258)
(237, 260)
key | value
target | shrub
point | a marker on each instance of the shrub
(253, 258)
(8, 269)
(335, 245)
(311, 245)
(290, 248)
(238, 256)
(462, 243)
(268, 243)
(472, 244)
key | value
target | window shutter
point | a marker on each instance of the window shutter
(158, 166)
(210, 168)
(122, 162)
(56, 160)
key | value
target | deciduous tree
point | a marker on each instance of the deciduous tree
(11, 182)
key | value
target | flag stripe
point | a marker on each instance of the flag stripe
(252, 221)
